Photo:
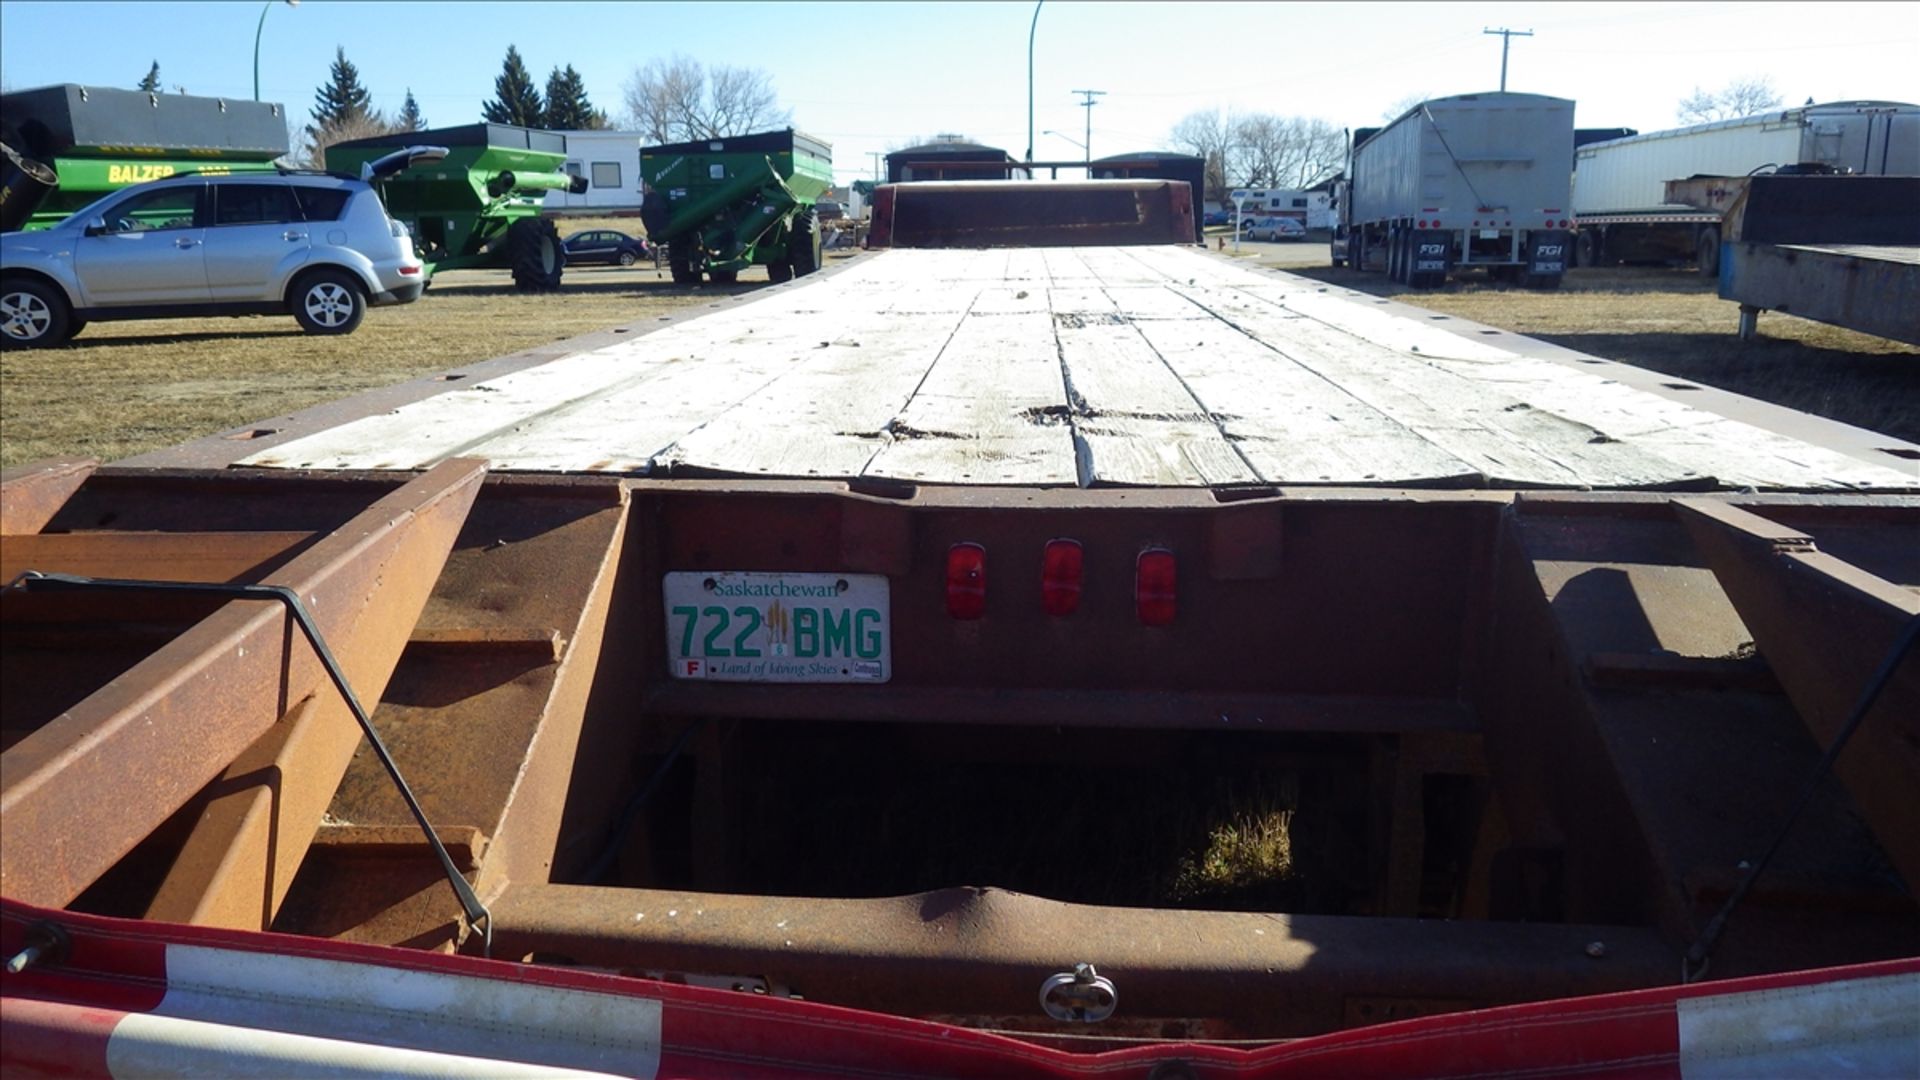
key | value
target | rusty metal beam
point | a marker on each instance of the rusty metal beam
(155, 556)
(1823, 626)
(80, 792)
(31, 494)
(985, 952)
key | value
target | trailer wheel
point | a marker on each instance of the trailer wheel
(680, 262)
(34, 315)
(1707, 252)
(779, 270)
(328, 302)
(1589, 249)
(803, 247)
(534, 251)
(724, 277)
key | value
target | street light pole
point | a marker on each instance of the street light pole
(257, 28)
(1031, 28)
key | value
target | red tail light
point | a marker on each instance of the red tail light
(1154, 589)
(409, 270)
(966, 581)
(1563, 223)
(1060, 577)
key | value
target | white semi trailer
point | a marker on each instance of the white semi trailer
(1625, 214)
(1470, 181)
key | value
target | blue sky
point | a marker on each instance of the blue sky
(868, 76)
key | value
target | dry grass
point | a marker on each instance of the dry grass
(1671, 321)
(129, 387)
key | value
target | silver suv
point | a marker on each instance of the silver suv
(319, 246)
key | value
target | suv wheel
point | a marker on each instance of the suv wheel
(34, 315)
(328, 302)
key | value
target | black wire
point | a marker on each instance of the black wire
(632, 810)
(1701, 952)
(34, 581)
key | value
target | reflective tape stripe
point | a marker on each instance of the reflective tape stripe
(1855, 1027)
(491, 1019)
(149, 1046)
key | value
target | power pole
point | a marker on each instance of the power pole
(1506, 39)
(1088, 105)
(876, 156)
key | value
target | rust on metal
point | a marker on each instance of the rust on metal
(83, 789)
(1824, 625)
(153, 556)
(984, 950)
(31, 494)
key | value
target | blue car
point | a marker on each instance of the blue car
(1217, 217)
(606, 246)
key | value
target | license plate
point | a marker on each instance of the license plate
(1489, 234)
(747, 626)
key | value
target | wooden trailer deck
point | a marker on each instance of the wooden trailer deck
(1124, 366)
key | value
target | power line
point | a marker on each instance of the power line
(1088, 105)
(1506, 39)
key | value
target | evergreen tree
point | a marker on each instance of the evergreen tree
(410, 118)
(567, 106)
(342, 100)
(152, 82)
(515, 99)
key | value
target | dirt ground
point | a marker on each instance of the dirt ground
(125, 388)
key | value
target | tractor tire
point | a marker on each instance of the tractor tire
(328, 302)
(1707, 252)
(680, 263)
(534, 252)
(779, 271)
(803, 247)
(34, 314)
(724, 277)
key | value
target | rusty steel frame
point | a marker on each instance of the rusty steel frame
(1823, 626)
(583, 694)
(31, 494)
(985, 951)
(82, 790)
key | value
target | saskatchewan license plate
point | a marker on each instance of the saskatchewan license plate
(741, 626)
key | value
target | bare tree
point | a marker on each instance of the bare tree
(1399, 108)
(679, 100)
(1741, 97)
(1286, 151)
(313, 151)
(1207, 134)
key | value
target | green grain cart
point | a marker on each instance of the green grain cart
(722, 205)
(67, 145)
(480, 206)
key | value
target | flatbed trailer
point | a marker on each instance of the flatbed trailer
(1104, 553)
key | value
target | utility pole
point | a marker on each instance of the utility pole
(876, 155)
(1506, 39)
(1088, 105)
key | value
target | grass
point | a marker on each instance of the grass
(129, 387)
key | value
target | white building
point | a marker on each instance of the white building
(610, 160)
(1312, 207)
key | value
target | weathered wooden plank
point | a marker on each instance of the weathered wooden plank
(1290, 424)
(993, 410)
(154, 556)
(830, 416)
(1509, 439)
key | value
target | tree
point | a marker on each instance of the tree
(342, 100)
(1741, 97)
(410, 118)
(1260, 149)
(1207, 134)
(567, 106)
(515, 101)
(151, 84)
(313, 155)
(678, 100)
